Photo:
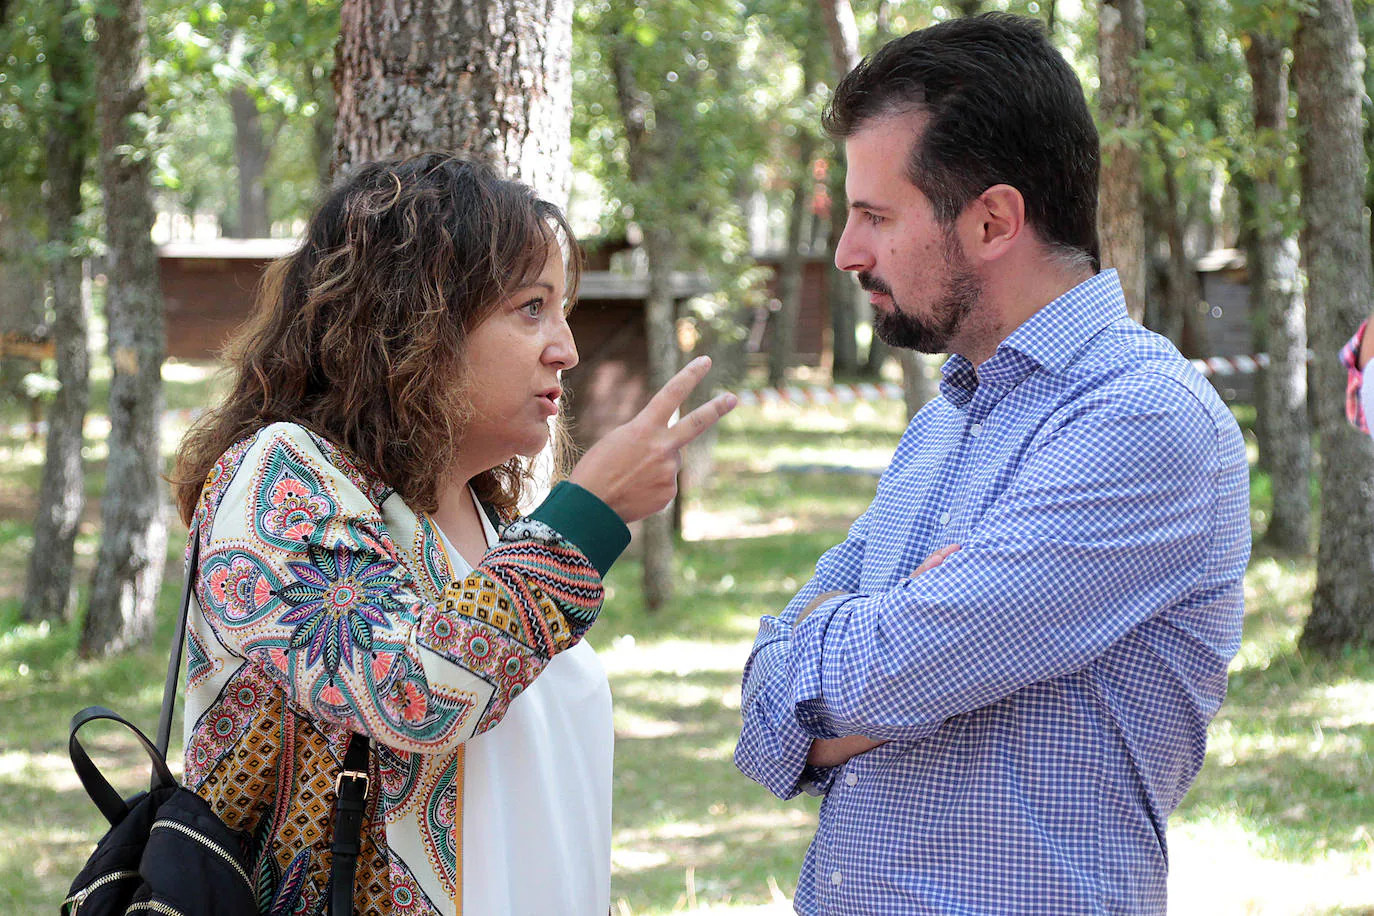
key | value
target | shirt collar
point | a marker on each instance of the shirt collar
(1053, 336)
(1049, 339)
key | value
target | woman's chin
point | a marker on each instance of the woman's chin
(534, 448)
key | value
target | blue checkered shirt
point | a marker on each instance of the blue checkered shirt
(1045, 692)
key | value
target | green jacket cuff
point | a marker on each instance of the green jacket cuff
(591, 525)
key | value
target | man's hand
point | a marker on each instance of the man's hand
(816, 602)
(934, 560)
(832, 752)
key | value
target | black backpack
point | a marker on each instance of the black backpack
(167, 853)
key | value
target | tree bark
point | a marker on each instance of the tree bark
(842, 33)
(647, 147)
(490, 79)
(1276, 293)
(781, 353)
(134, 540)
(843, 292)
(250, 155)
(1121, 222)
(1326, 74)
(1176, 315)
(21, 297)
(49, 591)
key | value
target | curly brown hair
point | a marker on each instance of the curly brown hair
(359, 335)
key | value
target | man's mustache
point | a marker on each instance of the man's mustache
(872, 284)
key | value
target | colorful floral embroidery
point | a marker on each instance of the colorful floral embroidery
(239, 587)
(314, 623)
(199, 664)
(290, 501)
(338, 597)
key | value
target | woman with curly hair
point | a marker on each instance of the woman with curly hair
(363, 567)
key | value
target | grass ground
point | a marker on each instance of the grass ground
(1279, 822)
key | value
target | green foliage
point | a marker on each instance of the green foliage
(31, 104)
(281, 55)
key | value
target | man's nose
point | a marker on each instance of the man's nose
(849, 253)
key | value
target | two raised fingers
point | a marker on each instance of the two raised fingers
(659, 411)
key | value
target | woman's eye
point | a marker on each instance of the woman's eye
(533, 307)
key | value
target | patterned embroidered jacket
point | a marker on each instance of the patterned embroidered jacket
(326, 606)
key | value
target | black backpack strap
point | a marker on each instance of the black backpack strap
(169, 688)
(97, 786)
(350, 802)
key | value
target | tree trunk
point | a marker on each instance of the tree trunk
(843, 292)
(133, 545)
(21, 297)
(1276, 292)
(1177, 312)
(660, 329)
(491, 79)
(1050, 11)
(647, 148)
(781, 353)
(1121, 36)
(843, 34)
(844, 54)
(968, 7)
(250, 154)
(1326, 72)
(49, 588)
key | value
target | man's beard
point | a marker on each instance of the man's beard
(898, 328)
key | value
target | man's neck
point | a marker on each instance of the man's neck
(1012, 294)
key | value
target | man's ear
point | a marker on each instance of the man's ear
(995, 221)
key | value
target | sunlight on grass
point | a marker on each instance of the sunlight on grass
(1279, 821)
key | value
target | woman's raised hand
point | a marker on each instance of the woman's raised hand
(633, 468)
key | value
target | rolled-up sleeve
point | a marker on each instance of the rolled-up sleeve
(772, 748)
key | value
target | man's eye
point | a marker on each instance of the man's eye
(533, 307)
(873, 218)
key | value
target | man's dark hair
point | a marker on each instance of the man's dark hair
(1002, 106)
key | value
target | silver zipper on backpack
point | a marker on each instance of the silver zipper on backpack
(75, 900)
(155, 907)
(207, 843)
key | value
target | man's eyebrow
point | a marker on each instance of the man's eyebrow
(865, 205)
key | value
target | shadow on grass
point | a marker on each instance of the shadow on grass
(1290, 756)
(680, 802)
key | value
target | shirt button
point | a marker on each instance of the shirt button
(944, 518)
(976, 429)
(851, 779)
(836, 878)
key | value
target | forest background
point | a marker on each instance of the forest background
(686, 132)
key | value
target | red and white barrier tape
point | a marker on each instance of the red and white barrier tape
(848, 394)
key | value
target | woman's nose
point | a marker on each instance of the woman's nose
(561, 353)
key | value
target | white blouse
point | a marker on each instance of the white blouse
(537, 791)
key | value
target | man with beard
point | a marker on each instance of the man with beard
(1001, 679)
